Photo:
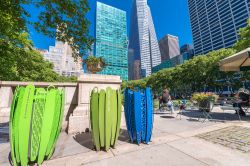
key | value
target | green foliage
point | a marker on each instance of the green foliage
(192, 76)
(244, 34)
(137, 84)
(12, 22)
(24, 64)
(198, 73)
(18, 60)
(94, 64)
(202, 97)
(69, 18)
(92, 60)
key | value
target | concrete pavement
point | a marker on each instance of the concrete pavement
(174, 142)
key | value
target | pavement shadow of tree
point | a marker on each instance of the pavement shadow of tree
(216, 116)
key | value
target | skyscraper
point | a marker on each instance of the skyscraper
(111, 40)
(144, 50)
(169, 47)
(187, 51)
(186, 48)
(61, 57)
(215, 23)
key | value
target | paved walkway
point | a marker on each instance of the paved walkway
(175, 142)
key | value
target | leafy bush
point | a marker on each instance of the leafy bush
(94, 64)
(202, 97)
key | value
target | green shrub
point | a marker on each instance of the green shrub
(201, 97)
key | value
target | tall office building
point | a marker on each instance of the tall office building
(215, 23)
(111, 40)
(169, 47)
(61, 57)
(187, 51)
(144, 50)
(186, 48)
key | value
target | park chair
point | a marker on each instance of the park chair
(246, 107)
(165, 107)
(231, 107)
(228, 105)
(182, 106)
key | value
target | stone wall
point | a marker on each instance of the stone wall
(77, 98)
(79, 119)
(7, 89)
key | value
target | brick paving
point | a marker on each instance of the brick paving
(234, 137)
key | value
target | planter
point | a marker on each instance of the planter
(94, 68)
(94, 64)
(205, 100)
(206, 105)
(105, 117)
(138, 108)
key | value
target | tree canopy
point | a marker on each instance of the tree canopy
(61, 19)
(244, 35)
(26, 64)
(195, 75)
(201, 72)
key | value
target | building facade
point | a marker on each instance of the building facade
(169, 47)
(173, 62)
(177, 60)
(61, 57)
(187, 51)
(215, 23)
(144, 51)
(164, 65)
(111, 40)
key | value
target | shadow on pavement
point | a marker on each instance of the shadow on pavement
(167, 117)
(84, 139)
(124, 137)
(216, 116)
(4, 132)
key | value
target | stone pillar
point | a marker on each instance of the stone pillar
(6, 95)
(79, 119)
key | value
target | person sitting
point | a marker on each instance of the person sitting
(166, 100)
(242, 99)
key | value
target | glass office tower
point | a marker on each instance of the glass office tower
(144, 52)
(215, 23)
(111, 40)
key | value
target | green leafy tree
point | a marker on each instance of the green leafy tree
(69, 18)
(244, 41)
(193, 76)
(64, 19)
(26, 64)
(61, 19)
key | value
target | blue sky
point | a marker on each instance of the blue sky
(170, 17)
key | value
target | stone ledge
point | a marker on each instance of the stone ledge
(40, 84)
(99, 79)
